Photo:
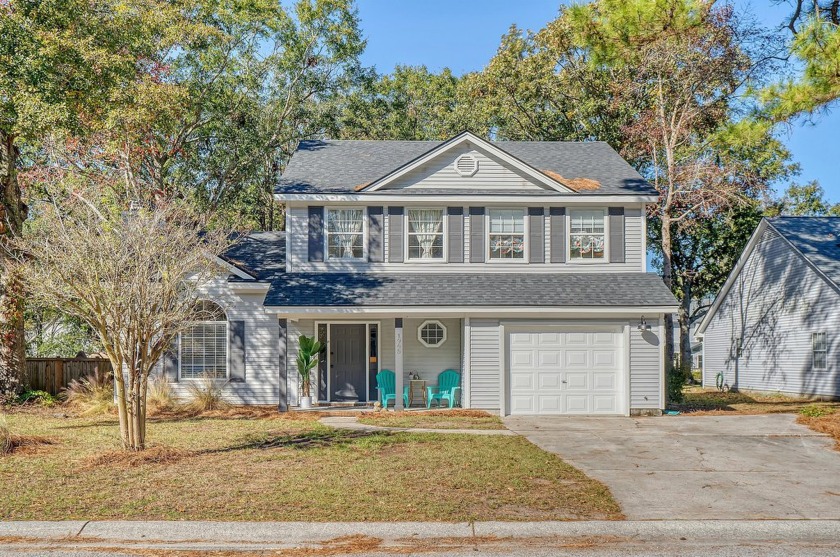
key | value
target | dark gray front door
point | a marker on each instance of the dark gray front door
(348, 365)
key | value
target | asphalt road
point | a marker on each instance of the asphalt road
(590, 539)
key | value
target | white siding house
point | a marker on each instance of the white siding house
(773, 327)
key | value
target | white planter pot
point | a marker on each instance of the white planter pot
(306, 402)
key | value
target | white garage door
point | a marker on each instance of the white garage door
(560, 372)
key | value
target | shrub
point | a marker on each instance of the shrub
(91, 395)
(206, 394)
(674, 386)
(36, 397)
(160, 396)
(816, 411)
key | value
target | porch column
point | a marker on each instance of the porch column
(398, 363)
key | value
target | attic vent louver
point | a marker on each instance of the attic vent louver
(466, 165)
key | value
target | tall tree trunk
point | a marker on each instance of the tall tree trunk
(667, 277)
(12, 217)
(685, 332)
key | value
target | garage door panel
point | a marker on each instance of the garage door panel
(569, 372)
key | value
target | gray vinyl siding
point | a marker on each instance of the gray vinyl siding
(774, 305)
(262, 348)
(645, 370)
(634, 260)
(485, 364)
(440, 173)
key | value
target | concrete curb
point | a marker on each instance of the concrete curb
(352, 423)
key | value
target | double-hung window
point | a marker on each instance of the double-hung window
(204, 345)
(506, 234)
(425, 234)
(820, 350)
(587, 238)
(345, 233)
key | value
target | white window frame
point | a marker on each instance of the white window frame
(580, 261)
(227, 352)
(432, 322)
(364, 256)
(444, 232)
(823, 350)
(526, 244)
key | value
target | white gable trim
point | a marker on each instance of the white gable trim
(460, 139)
(233, 268)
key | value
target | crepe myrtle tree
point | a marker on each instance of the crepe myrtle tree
(133, 271)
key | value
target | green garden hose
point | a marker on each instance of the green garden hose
(719, 381)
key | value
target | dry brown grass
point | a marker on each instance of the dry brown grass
(288, 467)
(14, 443)
(434, 419)
(828, 424)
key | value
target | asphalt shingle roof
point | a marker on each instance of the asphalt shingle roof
(333, 166)
(260, 254)
(816, 238)
(487, 289)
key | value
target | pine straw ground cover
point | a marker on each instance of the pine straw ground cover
(700, 402)
(434, 419)
(822, 420)
(258, 465)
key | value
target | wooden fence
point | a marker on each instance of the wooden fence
(54, 374)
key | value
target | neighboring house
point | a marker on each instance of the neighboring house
(519, 264)
(774, 325)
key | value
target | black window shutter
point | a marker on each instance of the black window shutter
(476, 234)
(236, 345)
(557, 218)
(283, 401)
(395, 234)
(536, 234)
(375, 234)
(455, 229)
(316, 233)
(616, 247)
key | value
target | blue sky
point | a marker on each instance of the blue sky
(464, 34)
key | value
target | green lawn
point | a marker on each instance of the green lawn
(285, 468)
(434, 419)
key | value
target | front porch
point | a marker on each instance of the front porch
(358, 349)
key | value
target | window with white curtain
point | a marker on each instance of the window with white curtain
(345, 233)
(425, 234)
(203, 347)
(587, 239)
(820, 350)
(506, 234)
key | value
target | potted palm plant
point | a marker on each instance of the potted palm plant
(307, 359)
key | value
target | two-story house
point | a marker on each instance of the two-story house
(519, 264)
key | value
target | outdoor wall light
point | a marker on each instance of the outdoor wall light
(643, 325)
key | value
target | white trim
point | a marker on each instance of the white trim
(487, 200)
(663, 402)
(444, 226)
(463, 311)
(467, 137)
(503, 371)
(466, 384)
(431, 322)
(526, 252)
(252, 287)
(644, 239)
(233, 268)
(353, 260)
(581, 261)
(730, 281)
(627, 400)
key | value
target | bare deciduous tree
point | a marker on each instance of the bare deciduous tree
(132, 271)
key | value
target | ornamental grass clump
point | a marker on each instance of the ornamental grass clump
(206, 394)
(91, 395)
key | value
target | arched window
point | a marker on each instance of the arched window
(203, 347)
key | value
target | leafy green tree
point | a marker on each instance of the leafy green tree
(61, 64)
(816, 47)
(412, 103)
(808, 200)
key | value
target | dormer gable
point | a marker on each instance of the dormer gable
(467, 162)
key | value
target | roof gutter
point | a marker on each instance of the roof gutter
(461, 311)
(559, 199)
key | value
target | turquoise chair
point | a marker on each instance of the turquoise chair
(386, 384)
(448, 387)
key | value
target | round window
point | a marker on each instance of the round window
(431, 333)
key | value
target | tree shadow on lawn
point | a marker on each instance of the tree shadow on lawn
(739, 402)
(308, 440)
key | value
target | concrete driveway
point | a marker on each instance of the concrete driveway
(709, 467)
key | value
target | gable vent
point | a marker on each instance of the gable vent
(466, 165)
